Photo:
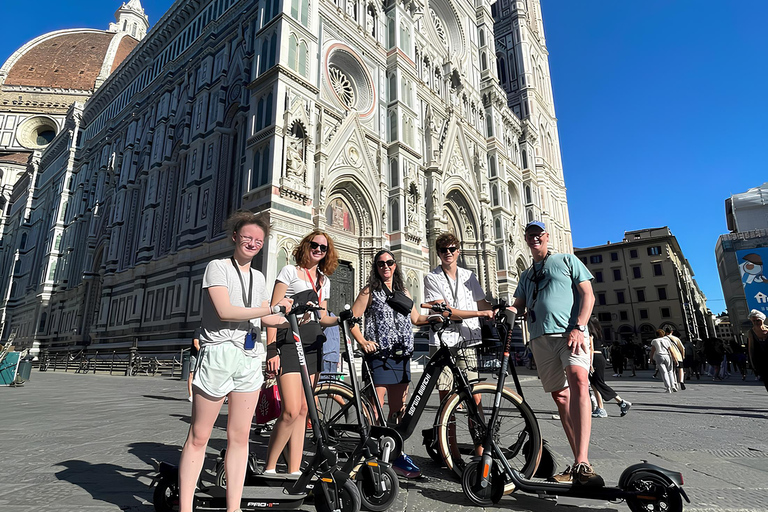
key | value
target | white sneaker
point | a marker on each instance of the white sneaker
(189, 398)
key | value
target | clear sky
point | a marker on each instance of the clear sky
(662, 108)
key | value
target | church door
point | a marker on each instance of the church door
(342, 288)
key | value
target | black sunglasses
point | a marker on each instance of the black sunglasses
(389, 263)
(315, 245)
(445, 250)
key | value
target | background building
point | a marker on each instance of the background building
(384, 123)
(644, 283)
(742, 254)
(723, 328)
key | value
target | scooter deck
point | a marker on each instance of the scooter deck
(254, 498)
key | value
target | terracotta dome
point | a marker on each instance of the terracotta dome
(77, 59)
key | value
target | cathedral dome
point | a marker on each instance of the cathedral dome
(76, 59)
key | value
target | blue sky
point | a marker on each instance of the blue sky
(662, 108)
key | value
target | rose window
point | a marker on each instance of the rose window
(342, 86)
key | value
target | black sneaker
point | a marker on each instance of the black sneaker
(583, 474)
(625, 406)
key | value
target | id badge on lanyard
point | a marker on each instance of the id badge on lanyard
(250, 337)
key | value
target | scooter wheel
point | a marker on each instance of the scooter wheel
(378, 498)
(221, 475)
(656, 494)
(347, 499)
(483, 497)
(166, 496)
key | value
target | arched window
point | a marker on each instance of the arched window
(502, 69)
(272, 50)
(489, 126)
(492, 165)
(391, 33)
(500, 259)
(483, 62)
(524, 155)
(268, 111)
(293, 46)
(497, 228)
(482, 38)
(394, 215)
(23, 242)
(393, 87)
(528, 197)
(394, 173)
(530, 215)
(405, 39)
(495, 195)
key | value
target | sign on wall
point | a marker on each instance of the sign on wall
(753, 276)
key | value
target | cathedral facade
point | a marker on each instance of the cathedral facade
(382, 123)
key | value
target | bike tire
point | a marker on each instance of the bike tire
(517, 431)
(337, 410)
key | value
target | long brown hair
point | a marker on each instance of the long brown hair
(328, 264)
(374, 279)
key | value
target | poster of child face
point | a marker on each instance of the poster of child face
(753, 277)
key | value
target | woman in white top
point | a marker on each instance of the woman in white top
(306, 281)
(660, 354)
(229, 363)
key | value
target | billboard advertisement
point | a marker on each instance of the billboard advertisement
(754, 277)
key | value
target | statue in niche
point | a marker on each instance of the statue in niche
(294, 154)
(339, 216)
(413, 205)
(370, 21)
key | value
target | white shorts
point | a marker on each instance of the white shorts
(552, 356)
(224, 368)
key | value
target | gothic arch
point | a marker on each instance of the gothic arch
(350, 208)
(463, 216)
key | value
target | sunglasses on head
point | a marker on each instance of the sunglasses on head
(389, 263)
(315, 245)
(445, 250)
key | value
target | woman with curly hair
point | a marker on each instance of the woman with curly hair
(307, 281)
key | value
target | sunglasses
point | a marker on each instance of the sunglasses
(446, 250)
(389, 263)
(315, 245)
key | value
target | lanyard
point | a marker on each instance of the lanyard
(319, 291)
(246, 302)
(455, 292)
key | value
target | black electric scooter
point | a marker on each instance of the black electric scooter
(333, 490)
(645, 487)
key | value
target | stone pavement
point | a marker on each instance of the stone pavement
(74, 442)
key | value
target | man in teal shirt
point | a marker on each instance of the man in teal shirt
(557, 293)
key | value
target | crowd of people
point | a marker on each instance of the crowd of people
(554, 295)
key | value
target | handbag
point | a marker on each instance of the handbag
(398, 301)
(675, 352)
(269, 405)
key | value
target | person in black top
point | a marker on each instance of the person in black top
(193, 351)
(597, 374)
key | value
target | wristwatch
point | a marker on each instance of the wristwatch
(582, 328)
(277, 309)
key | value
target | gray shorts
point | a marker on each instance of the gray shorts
(552, 356)
(224, 368)
(466, 360)
(192, 363)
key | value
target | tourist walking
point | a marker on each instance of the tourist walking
(679, 372)
(660, 353)
(597, 374)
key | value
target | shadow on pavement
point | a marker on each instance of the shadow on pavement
(109, 483)
(161, 397)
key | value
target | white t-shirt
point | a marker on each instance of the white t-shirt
(661, 345)
(213, 330)
(437, 286)
(289, 275)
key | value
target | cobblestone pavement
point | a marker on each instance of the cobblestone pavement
(74, 442)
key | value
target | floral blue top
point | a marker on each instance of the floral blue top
(392, 331)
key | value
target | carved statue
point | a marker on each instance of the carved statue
(294, 157)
